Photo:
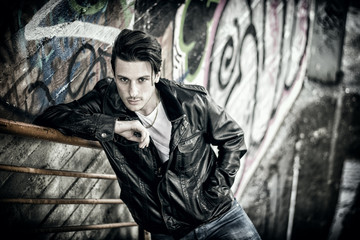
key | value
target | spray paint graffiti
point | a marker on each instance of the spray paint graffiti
(53, 40)
(257, 69)
(35, 31)
(87, 79)
(190, 43)
(77, 29)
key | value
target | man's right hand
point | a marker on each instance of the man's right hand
(133, 131)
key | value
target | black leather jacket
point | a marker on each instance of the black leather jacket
(193, 186)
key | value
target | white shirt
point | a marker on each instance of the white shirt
(160, 131)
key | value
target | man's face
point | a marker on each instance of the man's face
(135, 85)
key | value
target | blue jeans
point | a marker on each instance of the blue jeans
(234, 225)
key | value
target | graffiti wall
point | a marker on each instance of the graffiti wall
(252, 63)
(252, 56)
(59, 53)
(258, 68)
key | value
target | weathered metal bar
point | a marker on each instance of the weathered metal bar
(56, 172)
(45, 133)
(60, 201)
(84, 227)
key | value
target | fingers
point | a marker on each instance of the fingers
(142, 134)
(144, 144)
(143, 139)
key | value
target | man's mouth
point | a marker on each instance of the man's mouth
(133, 101)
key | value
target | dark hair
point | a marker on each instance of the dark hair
(135, 45)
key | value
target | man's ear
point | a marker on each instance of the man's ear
(157, 77)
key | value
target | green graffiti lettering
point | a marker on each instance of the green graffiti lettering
(89, 9)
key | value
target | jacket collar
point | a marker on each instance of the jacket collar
(169, 98)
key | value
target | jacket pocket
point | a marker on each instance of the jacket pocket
(189, 152)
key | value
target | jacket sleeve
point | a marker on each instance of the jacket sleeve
(228, 136)
(82, 118)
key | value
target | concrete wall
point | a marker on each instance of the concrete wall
(287, 71)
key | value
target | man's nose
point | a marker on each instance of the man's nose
(133, 91)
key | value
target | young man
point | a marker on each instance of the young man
(157, 135)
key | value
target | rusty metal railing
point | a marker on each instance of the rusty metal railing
(60, 201)
(12, 168)
(84, 227)
(45, 133)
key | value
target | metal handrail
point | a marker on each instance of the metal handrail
(84, 227)
(45, 133)
(12, 168)
(60, 201)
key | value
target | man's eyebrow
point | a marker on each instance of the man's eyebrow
(144, 76)
(120, 76)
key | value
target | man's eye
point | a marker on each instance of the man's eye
(123, 79)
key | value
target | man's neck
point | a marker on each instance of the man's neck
(151, 104)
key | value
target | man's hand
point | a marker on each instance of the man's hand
(133, 131)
